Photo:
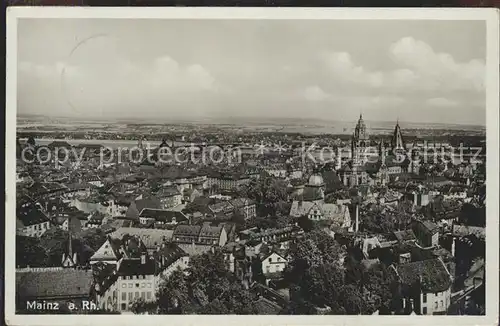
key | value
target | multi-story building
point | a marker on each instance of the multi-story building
(31, 222)
(140, 277)
(427, 233)
(245, 206)
(427, 284)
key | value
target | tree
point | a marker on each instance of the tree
(205, 287)
(140, 306)
(238, 218)
(270, 194)
(29, 252)
(305, 223)
(173, 295)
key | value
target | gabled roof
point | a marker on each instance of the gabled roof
(196, 233)
(54, 283)
(429, 226)
(168, 192)
(221, 207)
(130, 267)
(148, 202)
(151, 238)
(432, 275)
(162, 215)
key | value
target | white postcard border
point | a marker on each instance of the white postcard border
(490, 16)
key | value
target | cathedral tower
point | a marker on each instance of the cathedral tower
(397, 142)
(360, 142)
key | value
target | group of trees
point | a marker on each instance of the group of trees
(270, 195)
(205, 287)
(378, 219)
(320, 276)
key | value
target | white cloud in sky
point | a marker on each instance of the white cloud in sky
(421, 68)
(439, 68)
(420, 79)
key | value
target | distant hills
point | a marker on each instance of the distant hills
(256, 122)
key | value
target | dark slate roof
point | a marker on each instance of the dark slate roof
(162, 215)
(50, 284)
(136, 267)
(150, 202)
(31, 216)
(168, 254)
(433, 273)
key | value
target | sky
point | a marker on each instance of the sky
(415, 71)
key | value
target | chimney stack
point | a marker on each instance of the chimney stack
(143, 258)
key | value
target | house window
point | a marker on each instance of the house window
(124, 285)
(424, 300)
(149, 285)
(124, 306)
(143, 285)
(270, 260)
(442, 304)
(436, 305)
(130, 285)
(148, 295)
(124, 296)
(136, 295)
(130, 296)
(424, 311)
(143, 295)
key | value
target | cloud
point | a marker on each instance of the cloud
(315, 94)
(439, 68)
(342, 66)
(442, 102)
(420, 69)
(115, 86)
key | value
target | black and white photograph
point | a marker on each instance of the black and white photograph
(260, 162)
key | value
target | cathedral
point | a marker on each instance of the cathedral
(371, 163)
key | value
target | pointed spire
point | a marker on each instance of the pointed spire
(70, 245)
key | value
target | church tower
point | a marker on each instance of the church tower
(397, 142)
(69, 259)
(360, 142)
